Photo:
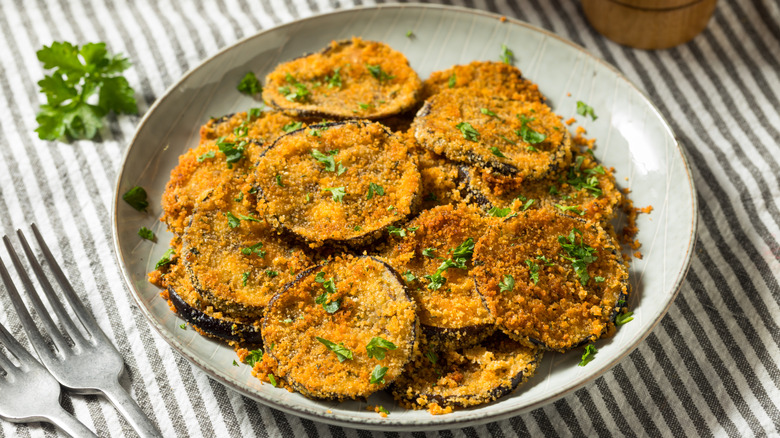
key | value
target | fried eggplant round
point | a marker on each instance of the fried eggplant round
(200, 314)
(497, 78)
(264, 127)
(234, 257)
(348, 79)
(586, 189)
(341, 330)
(338, 183)
(433, 254)
(551, 280)
(468, 376)
(511, 137)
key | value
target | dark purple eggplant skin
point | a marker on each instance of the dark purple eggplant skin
(469, 192)
(219, 328)
(438, 338)
(312, 271)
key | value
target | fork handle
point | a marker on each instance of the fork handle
(126, 406)
(68, 423)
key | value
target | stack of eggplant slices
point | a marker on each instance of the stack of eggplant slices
(368, 230)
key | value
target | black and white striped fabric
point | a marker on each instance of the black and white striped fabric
(712, 366)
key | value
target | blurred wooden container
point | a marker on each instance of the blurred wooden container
(649, 24)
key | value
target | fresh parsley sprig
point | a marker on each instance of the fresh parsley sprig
(78, 73)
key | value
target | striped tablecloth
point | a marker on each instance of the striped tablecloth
(709, 369)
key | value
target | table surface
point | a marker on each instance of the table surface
(710, 368)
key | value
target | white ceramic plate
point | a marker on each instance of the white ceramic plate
(631, 136)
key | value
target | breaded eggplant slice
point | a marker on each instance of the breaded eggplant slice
(234, 258)
(200, 314)
(451, 311)
(586, 189)
(511, 137)
(224, 160)
(466, 377)
(341, 330)
(497, 78)
(265, 127)
(338, 183)
(348, 79)
(440, 182)
(551, 280)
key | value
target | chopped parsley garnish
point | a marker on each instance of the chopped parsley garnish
(378, 375)
(278, 179)
(298, 92)
(572, 208)
(507, 140)
(249, 84)
(396, 231)
(244, 217)
(428, 252)
(599, 279)
(584, 179)
(527, 134)
(147, 234)
(334, 80)
(80, 72)
(409, 34)
(507, 55)
(545, 260)
(469, 133)
(382, 409)
(206, 156)
(584, 109)
(336, 192)
(235, 364)
(431, 356)
(254, 113)
(342, 352)
(272, 379)
(527, 205)
(580, 255)
(330, 289)
(136, 197)
(408, 276)
(499, 212)
(374, 188)
(183, 326)
(497, 152)
(256, 249)
(271, 273)
(233, 221)
(377, 347)
(623, 318)
(460, 255)
(328, 161)
(533, 271)
(240, 197)
(465, 250)
(588, 355)
(233, 151)
(507, 284)
(254, 357)
(245, 277)
(292, 126)
(364, 106)
(377, 72)
(487, 112)
(452, 81)
(165, 259)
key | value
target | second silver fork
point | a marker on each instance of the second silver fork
(92, 365)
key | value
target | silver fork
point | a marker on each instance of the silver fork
(29, 392)
(92, 365)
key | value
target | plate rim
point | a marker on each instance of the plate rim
(438, 421)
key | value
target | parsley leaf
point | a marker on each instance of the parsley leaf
(588, 355)
(378, 346)
(326, 159)
(469, 133)
(534, 271)
(409, 277)
(465, 250)
(507, 284)
(278, 179)
(431, 356)
(206, 156)
(499, 212)
(249, 84)
(396, 231)
(233, 221)
(254, 249)
(165, 259)
(245, 277)
(584, 179)
(527, 134)
(527, 205)
(78, 73)
(584, 109)
(580, 255)
(375, 188)
(334, 80)
(272, 379)
(330, 289)
(377, 72)
(497, 152)
(342, 353)
(271, 273)
(428, 252)
(233, 151)
(378, 375)
(507, 55)
(147, 234)
(452, 81)
(336, 192)
(136, 197)
(487, 112)
(298, 92)
(292, 126)
(572, 208)
(624, 318)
